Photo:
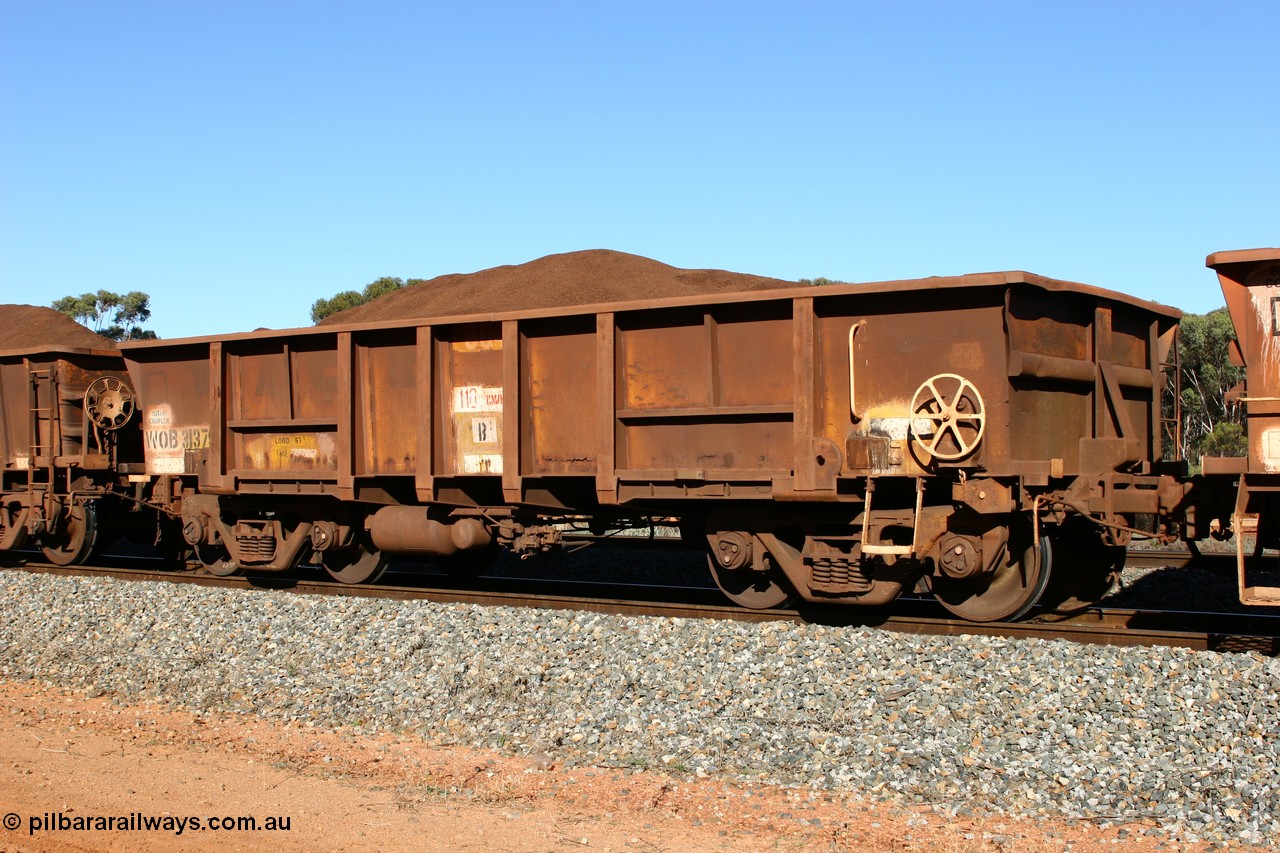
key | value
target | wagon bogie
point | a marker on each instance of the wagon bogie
(229, 534)
(72, 538)
(13, 522)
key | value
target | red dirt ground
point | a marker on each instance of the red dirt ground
(78, 757)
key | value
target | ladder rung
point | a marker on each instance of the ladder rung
(1255, 596)
(1260, 596)
(897, 550)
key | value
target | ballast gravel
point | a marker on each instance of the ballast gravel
(1186, 742)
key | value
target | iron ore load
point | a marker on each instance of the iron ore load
(995, 439)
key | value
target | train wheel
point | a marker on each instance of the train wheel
(1085, 569)
(13, 528)
(1005, 594)
(216, 560)
(752, 589)
(77, 535)
(360, 563)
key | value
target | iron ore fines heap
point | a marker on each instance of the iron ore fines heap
(33, 326)
(1187, 740)
(572, 278)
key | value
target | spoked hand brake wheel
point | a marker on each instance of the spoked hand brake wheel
(109, 403)
(948, 418)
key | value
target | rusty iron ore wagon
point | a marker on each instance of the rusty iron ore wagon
(839, 442)
(993, 438)
(61, 413)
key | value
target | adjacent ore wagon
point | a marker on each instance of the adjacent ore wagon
(66, 464)
(1251, 285)
(994, 438)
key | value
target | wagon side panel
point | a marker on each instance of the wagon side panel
(559, 392)
(385, 395)
(705, 393)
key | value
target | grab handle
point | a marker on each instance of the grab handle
(853, 407)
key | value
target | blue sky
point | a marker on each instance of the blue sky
(238, 160)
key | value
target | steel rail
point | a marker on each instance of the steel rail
(1145, 558)
(1136, 557)
(1154, 558)
(1197, 631)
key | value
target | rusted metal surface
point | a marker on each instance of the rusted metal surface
(176, 401)
(471, 371)
(749, 391)
(409, 530)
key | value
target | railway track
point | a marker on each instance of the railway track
(1096, 626)
(1154, 558)
(1137, 557)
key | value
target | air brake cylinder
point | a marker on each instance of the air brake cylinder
(408, 530)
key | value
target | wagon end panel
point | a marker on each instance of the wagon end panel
(98, 427)
(14, 403)
(1086, 376)
(50, 415)
(179, 431)
(890, 366)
